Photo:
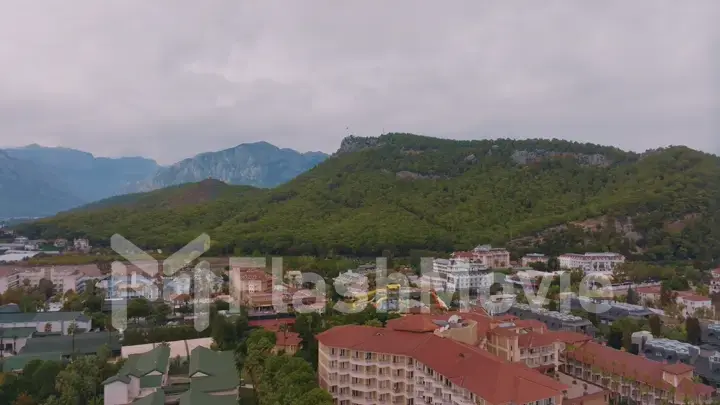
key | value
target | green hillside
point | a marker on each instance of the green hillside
(402, 192)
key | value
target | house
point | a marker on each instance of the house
(12, 340)
(60, 243)
(248, 281)
(81, 245)
(690, 302)
(212, 375)
(141, 376)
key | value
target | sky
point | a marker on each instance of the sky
(168, 79)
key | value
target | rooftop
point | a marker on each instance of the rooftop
(25, 317)
(81, 343)
(212, 371)
(140, 365)
(476, 370)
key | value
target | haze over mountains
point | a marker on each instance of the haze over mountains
(37, 181)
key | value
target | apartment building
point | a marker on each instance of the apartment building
(591, 262)
(63, 279)
(366, 365)
(715, 282)
(531, 258)
(634, 377)
(247, 281)
(486, 255)
(461, 274)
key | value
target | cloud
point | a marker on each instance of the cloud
(169, 79)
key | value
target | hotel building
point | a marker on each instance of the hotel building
(591, 262)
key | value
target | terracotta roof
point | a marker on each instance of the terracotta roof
(413, 323)
(531, 323)
(476, 370)
(677, 368)
(588, 397)
(635, 367)
(648, 290)
(690, 296)
(283, 338)
(271, 324)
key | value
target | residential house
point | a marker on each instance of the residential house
(690, 302)
(142, 375)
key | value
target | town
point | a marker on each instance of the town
(431, 335)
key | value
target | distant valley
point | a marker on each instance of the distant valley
(38, 181)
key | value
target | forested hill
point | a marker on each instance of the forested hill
(402, 192)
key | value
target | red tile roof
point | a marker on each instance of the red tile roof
(271, 324)
(677, 368)
(284, 339)
(690, 296)
(476, 370)
(635, 367)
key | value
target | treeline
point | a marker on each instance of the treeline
(453, 195)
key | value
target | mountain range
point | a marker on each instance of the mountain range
(404, 194)
(37, 181)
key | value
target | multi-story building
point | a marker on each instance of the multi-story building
(247, 281)
(590, 262)
(608, 311)
(63, 279)
(632, 377)
(486, 255)
(462, 274)
(553, 319)
(362, 364)
(690, 302)
(530, 258)
(715, 282)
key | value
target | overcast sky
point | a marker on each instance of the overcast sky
(171, 78)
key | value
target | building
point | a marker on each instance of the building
(715, 282)
(528, 259)
(632, 377)
(461, 274)
(142, 375)
(60, 243)
(213, 374)
(81, 245)
(590, 262)
(63, 279)
(362, 364)
(608, 311)
(486, 255)
(690, 302)
(553, 320)
(47, 322)
(246, 281)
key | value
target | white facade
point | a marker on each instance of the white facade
(120, 393)
(63, 280)
(691, 303)
(486, 255)
(591, 262)
(461, 274)
(715, 282)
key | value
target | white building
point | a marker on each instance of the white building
(530, 258)
(63, 280)
(691, 302)
(82, 245)
(350, 282)
(715, 282)
(591, 262)
(459, 274)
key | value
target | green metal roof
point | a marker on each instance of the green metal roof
(156, 398)
(42, 317)
(200, 398)
(140, 365)
(9, 333)
(85, 343)
(210, 362)
(219, 367)
(17, 363)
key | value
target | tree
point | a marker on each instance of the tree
(632, 297)
(46, 288)
(138, 308)
(655, 325)
(250, 357)
(159, 313)
(80, 382)
(693, 330)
